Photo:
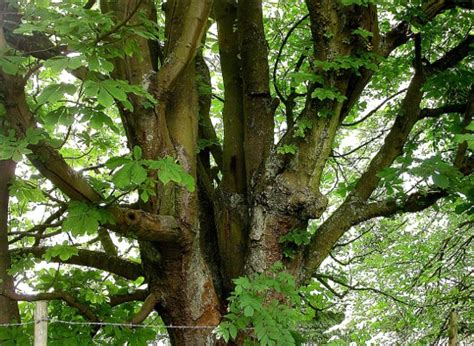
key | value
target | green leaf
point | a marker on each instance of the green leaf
(91, 88)
(232, 331)
(64, 252)
(170, 171)
(82, 219)
(57, 64)
(104, 98)
(144, 196)
(100, 119)
(137, 152)
(55, 92)
(8, 66)
(362, 32)
(114, 89)
(115, 162)
(287, 149)
(325, 93)
(188, 182)
(300, 77)
(248, 311)
(131, 174)
(440, 180)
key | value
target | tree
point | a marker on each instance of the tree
(205, 138)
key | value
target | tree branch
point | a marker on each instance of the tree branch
(394, 142)
(185, 48)
(89, 4)
(415, 202)
(51, 164)
(460, 158)
(436, 112)
(257, 101)
(343, 218)
(45, 158)
(280, 51)
(57, 295)
(119, 25)
(400, 34)
(342, 244)
(373, 111)
(37, 45)
(328, 286)
(38, 230)
(147, 308)
(138, 224)
(206, 128)
(452, 57)
(89, 258)
(358, 288)
(118, 299)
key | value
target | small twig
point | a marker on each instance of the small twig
(373, 111)
(119, 25)
(357, 288)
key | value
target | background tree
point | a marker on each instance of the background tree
(173, 147)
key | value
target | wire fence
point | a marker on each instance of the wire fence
(161, 338)
(103, 324)
(41, 322)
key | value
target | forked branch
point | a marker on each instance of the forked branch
(185, 48)
(88, 258)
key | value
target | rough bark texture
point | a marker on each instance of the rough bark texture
(8, 307)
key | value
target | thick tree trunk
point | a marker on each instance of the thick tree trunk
(179, 274)
(8, 308)
(188, 298)
(235, 229)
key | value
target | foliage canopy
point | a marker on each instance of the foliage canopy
(287, 171)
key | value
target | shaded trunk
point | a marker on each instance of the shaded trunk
(230, 199)
(179, 274)
(8, 308)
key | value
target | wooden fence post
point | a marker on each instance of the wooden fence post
(41, 323)
(453, 328)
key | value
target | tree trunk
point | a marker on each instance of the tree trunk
(8, 308)
(188, 297)
(233, 223)
(178, 273)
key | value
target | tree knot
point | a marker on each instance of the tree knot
(284, 199)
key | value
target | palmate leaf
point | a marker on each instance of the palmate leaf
(13, 148)
(64, 252)
(26, 191)
(170, 171)
(57, 64)
(115, 89)
(116, 162)
(8, 66)
(55, 92)
(131, 174)
(325, 93)
(82, 219)
(440, 180)
(105, 98)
